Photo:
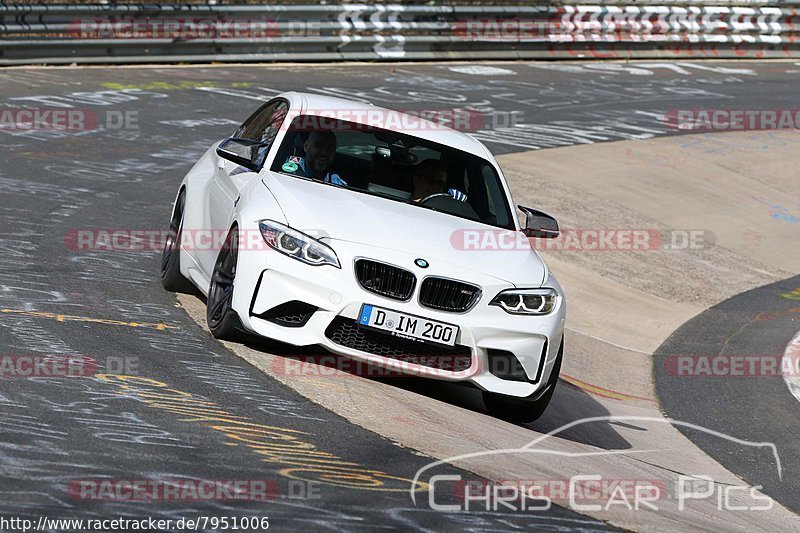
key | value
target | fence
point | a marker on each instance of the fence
(152, 33)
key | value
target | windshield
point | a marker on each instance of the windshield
(396, 166)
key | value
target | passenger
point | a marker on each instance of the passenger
(320, 150)
(430, 177)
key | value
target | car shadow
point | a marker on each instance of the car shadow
(569, 403)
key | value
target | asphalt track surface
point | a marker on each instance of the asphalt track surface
(758, 409)
(110, 305)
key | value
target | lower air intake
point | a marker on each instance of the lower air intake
(345, 332)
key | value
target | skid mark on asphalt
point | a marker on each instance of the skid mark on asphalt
(772, 315)
(601, 391)
(58, 317)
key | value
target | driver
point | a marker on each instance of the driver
(320, 149)
(430, 177)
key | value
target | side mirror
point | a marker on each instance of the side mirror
(538, 224)
(245, 152)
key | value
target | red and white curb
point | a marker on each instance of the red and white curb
(792, 353)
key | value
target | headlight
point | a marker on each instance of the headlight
(526, 301)
(297, 245)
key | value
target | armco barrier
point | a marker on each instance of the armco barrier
(149, 33)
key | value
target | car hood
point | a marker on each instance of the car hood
(334, 213)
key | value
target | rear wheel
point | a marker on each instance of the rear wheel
(171, 277)
(222, 320)
(521, 409)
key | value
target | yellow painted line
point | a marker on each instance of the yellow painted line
(600, 391)
(289, 450)
(792, 295)
(72, 318)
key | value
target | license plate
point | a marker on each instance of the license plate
(407, 326)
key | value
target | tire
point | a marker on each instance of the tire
(222, 320)
(521, 409)
(171, 277)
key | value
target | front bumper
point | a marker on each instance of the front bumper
(487, 334)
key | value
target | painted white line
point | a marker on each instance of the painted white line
(482, 70)
(790, 355)
(607, 342)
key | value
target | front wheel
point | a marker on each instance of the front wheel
(520, 409)
(171, 277)
(222, 320)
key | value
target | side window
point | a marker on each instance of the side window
(264, 124)
(495, 193)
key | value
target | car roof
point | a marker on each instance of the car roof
(380, 117)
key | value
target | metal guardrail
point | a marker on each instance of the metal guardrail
(149, 33)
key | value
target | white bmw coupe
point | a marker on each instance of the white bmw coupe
(379, 236)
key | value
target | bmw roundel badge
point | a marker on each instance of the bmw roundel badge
(421, 263)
